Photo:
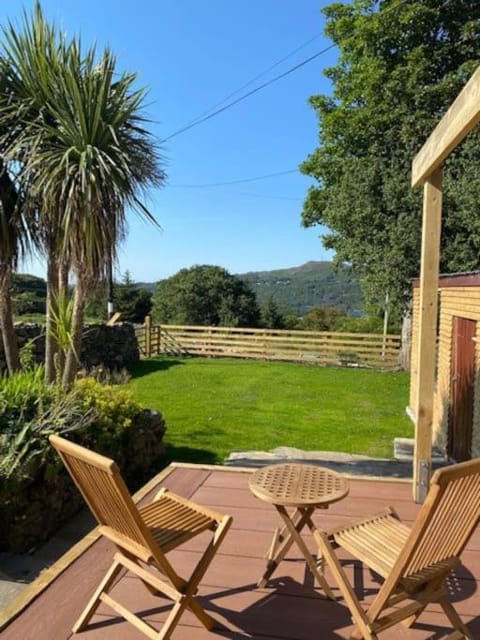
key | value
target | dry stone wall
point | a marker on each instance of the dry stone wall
(111, 347)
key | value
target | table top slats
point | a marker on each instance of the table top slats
(295, 485)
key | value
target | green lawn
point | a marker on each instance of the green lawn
(215, 406)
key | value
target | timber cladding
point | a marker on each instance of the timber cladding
(459, 297)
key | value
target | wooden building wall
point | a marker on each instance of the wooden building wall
(459, 296)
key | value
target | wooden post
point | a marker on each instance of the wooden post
(429, 271)
(148, 336)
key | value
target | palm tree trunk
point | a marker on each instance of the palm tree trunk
(9, 337)
(73, 355)
(63, 271)
(51, 345)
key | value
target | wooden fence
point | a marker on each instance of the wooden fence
(313, 347)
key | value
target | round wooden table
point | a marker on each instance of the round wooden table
(304, 487)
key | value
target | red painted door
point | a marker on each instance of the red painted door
(462, 389)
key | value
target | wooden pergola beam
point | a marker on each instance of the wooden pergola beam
(427, 169)
(461, 117)
(431, 232)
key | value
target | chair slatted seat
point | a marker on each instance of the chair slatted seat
(172, 523)
(376, 542)
(143, 536)
(414, 562)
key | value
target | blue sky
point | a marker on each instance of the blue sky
(191, 55)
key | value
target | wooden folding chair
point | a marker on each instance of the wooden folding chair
(414, 563)
(143, 537)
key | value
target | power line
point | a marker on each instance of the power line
(230, 182)
(246, 194)
(249, 93)
(257, 77)
(200, 120)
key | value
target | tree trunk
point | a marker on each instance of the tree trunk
(406, 353)
(73, 355)
(9, 337)
(51, 344)
(63, 272)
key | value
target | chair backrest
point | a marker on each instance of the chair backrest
(104, 490)
(446, 520)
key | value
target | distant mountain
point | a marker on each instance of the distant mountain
(313, 284)
(298, 289)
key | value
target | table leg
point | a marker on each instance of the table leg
(279, 535)
(281, 543)
(295, 536)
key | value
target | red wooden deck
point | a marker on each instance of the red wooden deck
(290, 608)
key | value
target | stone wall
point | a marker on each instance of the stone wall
(111, 347)
(33, 508)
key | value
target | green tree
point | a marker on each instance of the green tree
(131, 301)
(28, 294)
(83, 154)
(30, 63)
(271, 317)
(322, 319)
(205, 295)
(400, 66)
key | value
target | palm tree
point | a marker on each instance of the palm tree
(85, 152)
(29, 63)
(11, 239)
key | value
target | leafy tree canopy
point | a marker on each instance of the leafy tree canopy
(322, 319)
(400, 66)
(271, 316)
(133, 302)
(205, 295)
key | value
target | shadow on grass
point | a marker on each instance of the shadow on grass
(146, 367)
(189, 454)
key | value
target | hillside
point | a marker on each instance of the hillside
(309, 285)
(298, 289)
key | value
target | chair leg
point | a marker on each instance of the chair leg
(199, 571)
(408, 622)
(196, 608)
(94, 601)
(363, 630)
(454, 618)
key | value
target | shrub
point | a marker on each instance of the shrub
(116, 413)
(366, 324)
(22, 396)
(36, 493)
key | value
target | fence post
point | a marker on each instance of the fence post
(148, 336)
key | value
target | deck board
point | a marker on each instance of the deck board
(291, 607)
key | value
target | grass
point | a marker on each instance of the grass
(215, 406)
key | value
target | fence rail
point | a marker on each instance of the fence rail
(315, 347)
